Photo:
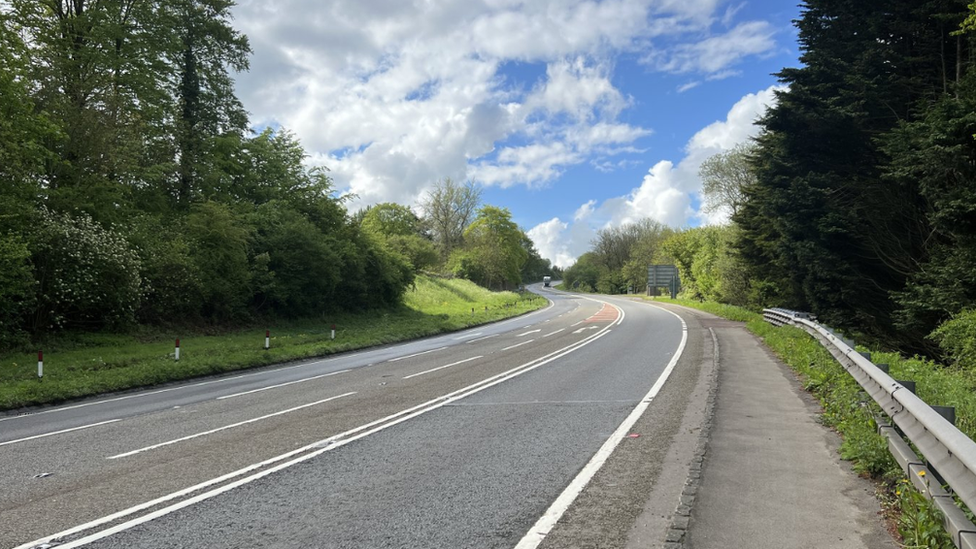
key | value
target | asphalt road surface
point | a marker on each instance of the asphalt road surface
(482, 438)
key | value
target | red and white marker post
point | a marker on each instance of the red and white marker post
(267, 339)
(40, 364)
(176, 353)
(333, 331)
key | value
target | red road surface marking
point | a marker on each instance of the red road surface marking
(606, 314)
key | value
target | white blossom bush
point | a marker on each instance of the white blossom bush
(85, 275)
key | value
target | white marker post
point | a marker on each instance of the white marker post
(333, 331)
(177, 352)
(267, 339)
(40, 364)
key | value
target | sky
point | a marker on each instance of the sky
(576, 115)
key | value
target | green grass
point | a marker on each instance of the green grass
(80, 365)
(851, 412)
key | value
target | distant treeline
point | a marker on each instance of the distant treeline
(134, 192)
(857, 201)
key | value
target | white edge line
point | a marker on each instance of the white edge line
(225, 427)
(466, 336)
(442, 367)
(127, 397)
(518, 345)
(483, 338)
(409, 413)
(58, 432)
(548, 520)
(281, 385)
(168, 389)
(416, 354)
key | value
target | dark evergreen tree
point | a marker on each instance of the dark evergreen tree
(822, 229)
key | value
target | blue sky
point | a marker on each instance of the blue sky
(573, 114)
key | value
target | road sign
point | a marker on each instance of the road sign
(659, 276)
(665, 276)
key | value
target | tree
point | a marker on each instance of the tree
(402, 232)
(821, 226)
(935, 157)
(584, 275)
(535, 266)
(208, 47)
(645, 251)
(449, 208)
(723, 176)
(493, 254)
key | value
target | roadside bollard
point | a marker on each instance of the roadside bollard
(176, 353)
(333, 331)
(40, 365)
(267, 339)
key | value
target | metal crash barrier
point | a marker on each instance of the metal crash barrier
(948, 453)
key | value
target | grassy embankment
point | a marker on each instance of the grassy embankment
(79, 365)
(848, 410)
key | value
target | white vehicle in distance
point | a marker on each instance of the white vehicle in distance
(545, 281)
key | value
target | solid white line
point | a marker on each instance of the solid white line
(529, 332)
(252, 391)
(518, 345)
(403, 415)
(224, 428)
(127, 397)
(466, 336)
(483, 338)
(442, 367)
(577, 324)
(58, 432)
(416, 354)
(548, 520)
(556, 332)
(181, 387)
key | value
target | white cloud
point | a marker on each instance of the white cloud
(716, 54)
(667, 191)
(394, 95)
(584, 211)
(561, 242)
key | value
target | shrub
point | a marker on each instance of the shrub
(303, 266)
(957, 338)
(87, 276)
(16, 288)
(171, 285)
(218, 247)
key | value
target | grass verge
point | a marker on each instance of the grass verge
(850, 411)
(80, 365)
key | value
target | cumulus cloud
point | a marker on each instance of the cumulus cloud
(561, 242)
(394, 95)
(667, 192)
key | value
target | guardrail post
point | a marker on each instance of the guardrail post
(865, 354)
(884, 368)
(948, 412)
(908, 384)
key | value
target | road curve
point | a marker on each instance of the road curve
(463, 440)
